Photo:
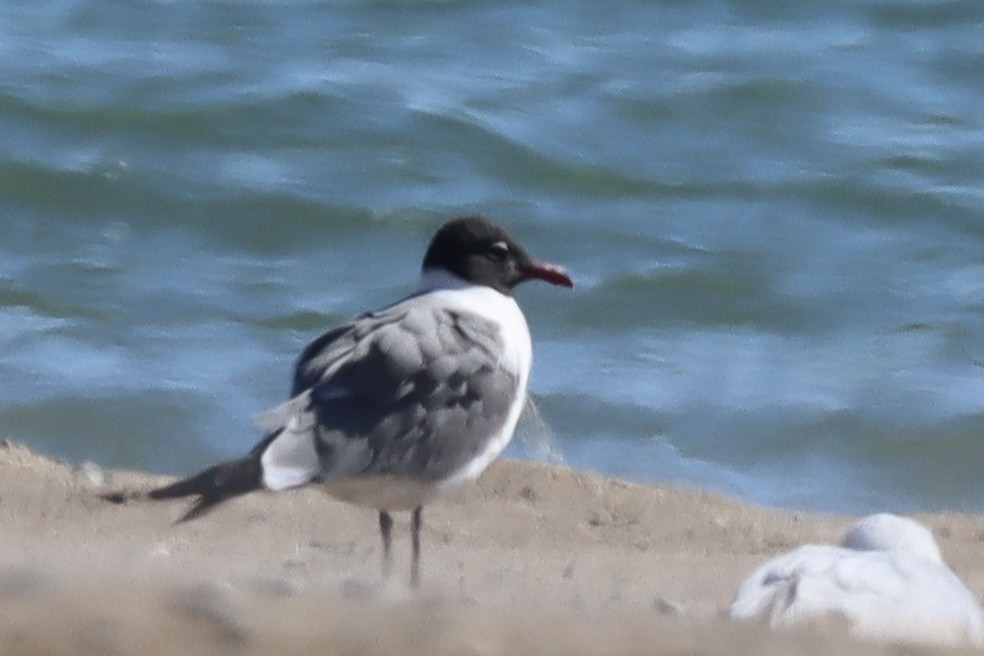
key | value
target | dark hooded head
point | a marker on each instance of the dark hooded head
(481, 251)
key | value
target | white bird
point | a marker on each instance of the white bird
(402, 405)
(888, 581)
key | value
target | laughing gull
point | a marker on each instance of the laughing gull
(888, 581)
(402, 405)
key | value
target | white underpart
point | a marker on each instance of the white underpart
(517, 354)
(888, 582)
(291, 459)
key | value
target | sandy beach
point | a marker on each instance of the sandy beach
(535, 559)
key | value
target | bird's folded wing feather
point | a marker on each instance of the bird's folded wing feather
(408, 391)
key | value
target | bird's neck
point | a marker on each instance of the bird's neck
(432, 278)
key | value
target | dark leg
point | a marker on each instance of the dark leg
(386, 530)
(415, 521)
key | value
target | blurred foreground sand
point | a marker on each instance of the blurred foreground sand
(535, 559)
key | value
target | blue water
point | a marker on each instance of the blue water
(773, 212)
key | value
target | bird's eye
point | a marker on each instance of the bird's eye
(498, 251)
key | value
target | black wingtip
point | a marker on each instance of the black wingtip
(212, 486)
(120, 497)
(201, 483)
(201, 506)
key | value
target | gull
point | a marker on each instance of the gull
(400, 406)
(887, 580)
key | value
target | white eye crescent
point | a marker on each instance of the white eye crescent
(498, 250)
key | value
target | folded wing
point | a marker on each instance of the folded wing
(408, 391)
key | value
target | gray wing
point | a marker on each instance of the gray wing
(408, 391)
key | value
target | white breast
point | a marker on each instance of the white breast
(517, 353)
